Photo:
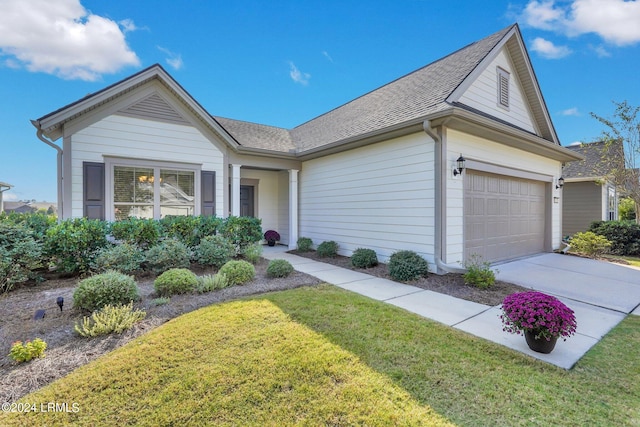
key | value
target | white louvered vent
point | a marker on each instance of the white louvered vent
(503, 88)
(155, 108)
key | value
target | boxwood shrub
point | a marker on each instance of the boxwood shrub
(327, 249)
(407, 265)
(140, 232)
(238, 272)
(214, 250)
(125, 258)
(279, 268)
(73, 244)
(20, 255)
(364, 258)
(175, 281)
(304, 244)
(169, 254)
(623, 235)
(111, 287)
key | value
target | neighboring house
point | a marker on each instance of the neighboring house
(376, 172)
(19, 207)
(589, 193)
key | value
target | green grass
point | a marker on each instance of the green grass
(635, 261)
(325, 356)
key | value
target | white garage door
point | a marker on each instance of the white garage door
(504, 216)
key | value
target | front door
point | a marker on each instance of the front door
(246, 200)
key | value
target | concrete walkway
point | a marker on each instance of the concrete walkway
(594, 318)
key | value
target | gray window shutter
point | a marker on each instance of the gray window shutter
(94, 190)
(208, 185)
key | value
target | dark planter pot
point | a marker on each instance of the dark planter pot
(271, 242)
(540, 345)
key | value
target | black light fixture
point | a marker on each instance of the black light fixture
(560, 183)
(459, 166)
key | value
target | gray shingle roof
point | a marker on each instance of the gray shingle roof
(415, 95)
(600, 159)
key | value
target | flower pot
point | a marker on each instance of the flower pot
(540, 345)
(271, 242)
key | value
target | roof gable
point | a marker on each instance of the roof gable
(600, 160)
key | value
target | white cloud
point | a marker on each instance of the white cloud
(548, 50)
(173, 59)
(600, 50)
(326, 55)
(615, 21)
(297, 75)
(571, 112)
(9, 197)
(62, 38)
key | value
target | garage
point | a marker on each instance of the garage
(504, 216)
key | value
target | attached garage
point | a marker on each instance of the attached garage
(504, 216)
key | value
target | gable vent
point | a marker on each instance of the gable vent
(503, 88)
(155, 108)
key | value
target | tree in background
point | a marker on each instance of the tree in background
(624, 127)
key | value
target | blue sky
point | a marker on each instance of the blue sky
(284, 62)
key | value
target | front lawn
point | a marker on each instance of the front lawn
(325, 356)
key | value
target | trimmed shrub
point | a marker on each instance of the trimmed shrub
(30, 350)
(112, 288)
(238, 272)
(38, 223)
(304, 244)
(252, 253)
(168, 254)
(407, 265)
(141, 232)
(20, 255)
(125, 258)
(73, 244)
(242, 231)
(175, 281)
(279, 268)
(623, 235)
(182, 228)
(364, 258)
(109, 319)
(479, 272)
(327, 249)
(589, 243)
(208, 225)
(210, 283)
(214, 250)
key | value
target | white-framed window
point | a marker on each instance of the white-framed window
(612, 208)
(503, 87)
(147, 189)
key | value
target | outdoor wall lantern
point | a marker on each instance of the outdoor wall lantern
(459, 166)
(560, 183)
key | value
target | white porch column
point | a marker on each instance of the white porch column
(293, 208)
(235, 190)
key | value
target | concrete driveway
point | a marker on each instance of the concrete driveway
(597, 283)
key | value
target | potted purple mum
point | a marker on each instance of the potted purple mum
(540, 317)
(271, 236)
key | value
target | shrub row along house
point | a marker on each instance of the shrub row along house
(377, 172)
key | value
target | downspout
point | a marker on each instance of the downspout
(440, 201)
(59, 166)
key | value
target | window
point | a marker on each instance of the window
(152, 191)
(503, 88)
(611, 202)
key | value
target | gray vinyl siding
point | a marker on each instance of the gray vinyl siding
(582, 204)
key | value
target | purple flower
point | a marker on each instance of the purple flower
(536, 312)
(272, 235)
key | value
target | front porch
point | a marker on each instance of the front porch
(268, 194)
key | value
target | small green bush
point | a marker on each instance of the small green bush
(168, 254)
(364, 258)
(210, 283)
(238, 272)
(160, 301)
(304, 244)
(253, 253)
(279, 268)
(143, 233)
(214, 250)
(182, 228)
(327, 249)
(20, 255)
(30, 350)
(175, 281)
(125, 258)
(73, 244)
(242, 231)
(623, 235)
(407, 265)
(112, 288)
(589, 243)
(109, 319)
(479, 272)
(38, 223)
(627, 209)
